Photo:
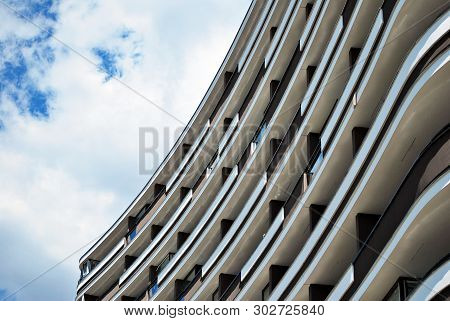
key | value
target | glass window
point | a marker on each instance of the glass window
(85, 269)
(153, 289)
(88, 266)
(165, 262)
(132, 235)
(317, 163)
(260, 133)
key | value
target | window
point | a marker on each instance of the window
(152, 290)
(193, 273)
(87, 267)
(165, 262)
(317, 163)
(132, 235)
(260, 133)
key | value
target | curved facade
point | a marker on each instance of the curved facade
(316, 167)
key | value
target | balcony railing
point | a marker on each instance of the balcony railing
(431, 164)
(190, 280)
(153, 287)
(228, 87)
(279, 32)
(164, 262)
(285, 143)
(228, 133)
(252, 90)
(263, 244)
(297, 192)
(133, 232)
(142, 215)
(232, 289)
(100, 265)
(348, 10)
(158, 238)
(255, 34)
(178, 172)
(220, 248)
(433, 285)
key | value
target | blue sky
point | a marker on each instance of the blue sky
(69, 131)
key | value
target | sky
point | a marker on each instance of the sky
(69, 123)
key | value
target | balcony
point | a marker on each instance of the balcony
(230, 177)
(187, 157)
(276, 273)
(87, 267)
(185, 286)
(434, 285)
(137, 223)
(226, 281)
(155, 271)
(164, 263)
(428, 168)
(184, 203)
(221, 247)
(92, 267)
(263, 244)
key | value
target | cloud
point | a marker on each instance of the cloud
(69, 132)
(108, 63)
(24, 60)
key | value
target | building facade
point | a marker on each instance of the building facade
(316, 167)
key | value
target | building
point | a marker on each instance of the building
(316, 167)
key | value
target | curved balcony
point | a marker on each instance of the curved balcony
(237, 133)
(250, 43)
(201, 225)
(313, 156)
(334, 237)
(432, 204)
(260, 133)
(311, 195)
(209, 244)
(246, 224)
(263, 244)
(433, 161)
(434, 285)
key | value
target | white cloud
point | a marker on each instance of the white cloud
(65, 179)
(12, 25)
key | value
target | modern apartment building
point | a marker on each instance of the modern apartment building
(316, 167)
